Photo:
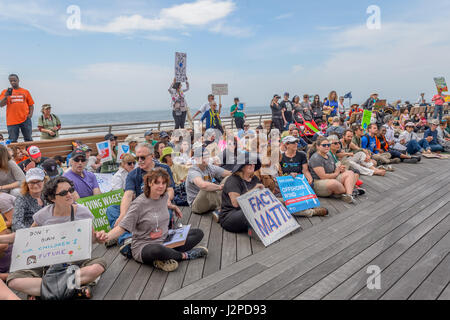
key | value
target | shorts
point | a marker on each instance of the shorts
(320, 186)
(39, 272)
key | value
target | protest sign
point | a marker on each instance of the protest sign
(268, 217)
(241, 106)
(124, 148)
(441, 84)
(98, 205)
(177, 237)
(220, 89)
(297, 193)
(104, 150)
(367, 116)
(180, 67)
(52, 244)
(104, 181)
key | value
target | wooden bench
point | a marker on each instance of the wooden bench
(62, 147)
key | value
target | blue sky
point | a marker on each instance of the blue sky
(122, 57)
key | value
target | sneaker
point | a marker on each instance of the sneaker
(417, 157)
(348, 198)
(412, 160)
(125, 249)
(111, 243)
(358, 192)
(168, 265)
(417, 154)
(396, 160)
(216, 215)
(389, 167)
(196, 253)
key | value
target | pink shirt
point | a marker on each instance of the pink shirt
(438, 100)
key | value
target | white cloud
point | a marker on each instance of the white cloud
(297, 68)
(284, 16)
(198, 13)
(232, 31)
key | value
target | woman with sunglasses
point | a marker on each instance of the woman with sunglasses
(59, 192)
(148, 220)
(120, 177)
(330, 179)
(317, 108)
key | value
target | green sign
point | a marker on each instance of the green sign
(367, 116)
(98, 205)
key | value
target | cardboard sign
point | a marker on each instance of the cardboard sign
(268, 217)
(53, 244)
(124, 148)
(104, 181)
(441, 84)
(297, 193)
(177, 237)
(367, 116)
(98, 205)
(220, 89)
(180, 67)
(105, 151)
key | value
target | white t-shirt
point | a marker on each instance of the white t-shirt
(205, 108)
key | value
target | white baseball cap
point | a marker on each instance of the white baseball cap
(35, 174)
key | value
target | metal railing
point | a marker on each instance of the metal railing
(140, 127)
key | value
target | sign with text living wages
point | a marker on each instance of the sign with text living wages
(220, 89)
(297, 193)
(53, 244)
(268, 217)
(98, 205)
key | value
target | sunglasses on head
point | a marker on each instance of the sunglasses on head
(65, 192)
(79, 160)
(326, 145)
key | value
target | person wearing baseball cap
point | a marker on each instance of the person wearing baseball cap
(111, 166)
(34, 161)
(132, 143)
(411, 143)
(164, 137)
(432, 137)
(85, 182)
(149, 137)
(51, 168)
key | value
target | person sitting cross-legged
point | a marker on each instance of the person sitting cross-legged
(410, 140)
(432, 137)
(148, 220)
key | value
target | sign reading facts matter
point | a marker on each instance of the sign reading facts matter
(53, 244)
(267, 215)
(220, 89)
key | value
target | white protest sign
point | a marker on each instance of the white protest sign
(105, 151)
(124, 148)
(267, 215)
(180, 67)
(104, 181)
(53, 244)
(220, 89)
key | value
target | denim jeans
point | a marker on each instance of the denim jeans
(436, 147)
(438, 109)
(413, 146)
(26, 128)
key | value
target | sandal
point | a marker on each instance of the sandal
(168, 265)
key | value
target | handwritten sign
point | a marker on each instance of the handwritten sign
(104, 181)
(220, 89)
(53, 244)
(180, 67)
(98, 205)
(105, 151)
(367, 117)
(124, 148)
(297, 193)
(441, 84)
(268, 217)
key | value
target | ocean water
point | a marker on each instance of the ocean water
(70, 120)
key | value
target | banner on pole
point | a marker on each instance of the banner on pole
(268, 217)
(220, 89)
(98, 205)
(297, 193)
(52, 244)
(180, 67)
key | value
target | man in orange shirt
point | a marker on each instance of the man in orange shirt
(19, 110)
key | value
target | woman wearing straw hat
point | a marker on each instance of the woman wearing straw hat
(48, 123)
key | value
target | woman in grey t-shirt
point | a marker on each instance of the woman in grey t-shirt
(148, 220)
(59, 192)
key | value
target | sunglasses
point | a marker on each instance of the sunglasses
(335, 143)
(326, 145)
(65, 192)
(142, 158)
(131, 163)
(79, 160)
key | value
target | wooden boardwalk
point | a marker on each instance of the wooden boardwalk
(401, 225)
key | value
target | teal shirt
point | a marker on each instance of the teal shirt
(238, 114)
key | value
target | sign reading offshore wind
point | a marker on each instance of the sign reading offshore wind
(180, 67)
(297, 193)
(53, 244)
(267, 215)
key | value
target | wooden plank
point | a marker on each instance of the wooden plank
(412, 279)
(355, 215)
(154, 285)
(227, 283)
(139, 282)
(109, 277)
(123, 281)
(244, 246)
(334, 279)
(212, 263)
(394, 271)
(228, 249)
(432, 287)
(257, 246)
(445, 295)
